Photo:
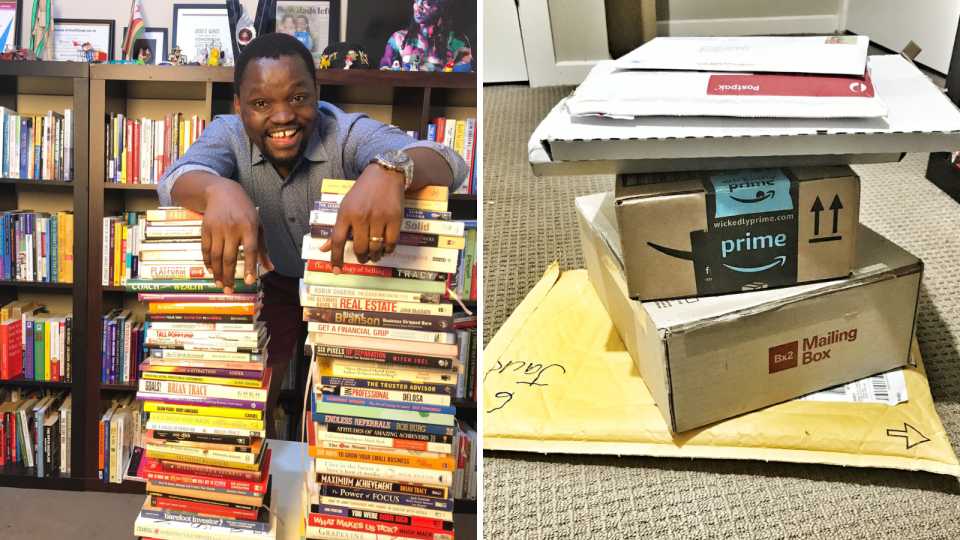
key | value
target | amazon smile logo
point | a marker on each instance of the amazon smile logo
(780, 260)
(761, 196)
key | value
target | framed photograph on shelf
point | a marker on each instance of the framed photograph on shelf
(70, 37)
(10, 17)
(316, 23)
(153, 45)
(391, 30)
(197, 25)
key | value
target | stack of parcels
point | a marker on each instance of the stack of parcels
(204, 388)
(384, 430)
(738, 289)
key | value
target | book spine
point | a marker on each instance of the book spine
(184, 286)
(403, 499)
(382, 507)
(204, 438)
(392, 473)
(206, 355)
(168, 503)
(202, 345)
(383, 333)
(377, 271)
(392, 414)
(401, 321)
(394, 405)
(363, 370)
(390, 386)
(203, 521)
(220, 327)
(388, 442)
(171, 232)
(252, 337)
(383, 357)
(200, 470)
(209, 421)
(390, 425)
(201, 400)
(317, 305)
(408, 257)
(432, 492)
(179, 271)
(437, 525)
(385, 395)
(183, 428)
(200, 460)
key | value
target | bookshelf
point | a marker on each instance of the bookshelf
(406, 99)
(34, 88)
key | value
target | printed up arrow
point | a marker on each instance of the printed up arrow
(817, 207)
(835, 206)
(909, 433)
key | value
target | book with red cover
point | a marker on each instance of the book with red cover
(154, 471)
(181, 467)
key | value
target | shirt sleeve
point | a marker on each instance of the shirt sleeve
(367, 138)
(211, 152)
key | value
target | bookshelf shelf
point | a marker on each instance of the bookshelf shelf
(114, 288)
(20, 381)
(52, 184)
(119, 386)
(37, 285)
(135, 187)
(12, 475)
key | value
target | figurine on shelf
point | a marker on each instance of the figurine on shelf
(344, 55)
(449, 67)
(348, 61)
(177, 58)
(395, 66)
(213, 56)
(411, 62)
(325, 60)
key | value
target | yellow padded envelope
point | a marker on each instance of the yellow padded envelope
(557, 378)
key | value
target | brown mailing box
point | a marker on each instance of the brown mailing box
(705, 233)
(707, 359)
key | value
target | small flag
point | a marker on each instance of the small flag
(135, 30)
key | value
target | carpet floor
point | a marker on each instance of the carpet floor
(530, 222)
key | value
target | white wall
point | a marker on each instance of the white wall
(746, 17)
(156, 13)
(932, 24)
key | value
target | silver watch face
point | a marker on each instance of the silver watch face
(394, 157)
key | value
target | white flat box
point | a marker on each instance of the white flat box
(708, 359)
(920, 119)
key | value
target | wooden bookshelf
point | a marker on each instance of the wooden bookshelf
(34, 88)
(408, 100)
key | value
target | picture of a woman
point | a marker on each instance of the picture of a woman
(432, 36)
(286, 25)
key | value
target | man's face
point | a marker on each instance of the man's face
(301, 25)
(425, 11)
(277, 103)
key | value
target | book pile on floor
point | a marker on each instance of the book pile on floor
(36, 147)
(36, 246)
(204, 388)
(140, 151)
(461, 135)
(384, 430)
(35, 345)
(35, 429)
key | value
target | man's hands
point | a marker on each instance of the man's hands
(231, 220)
(373, 210)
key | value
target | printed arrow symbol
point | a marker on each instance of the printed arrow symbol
(835, 206)
(780, 260)
(817, 207)
(909, 433)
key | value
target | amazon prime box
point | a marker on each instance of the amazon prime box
(706, 233)
(710, 358)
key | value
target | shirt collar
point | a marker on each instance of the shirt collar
(313, 152)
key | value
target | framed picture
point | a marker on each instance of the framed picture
(71, 36)
(391, 29)
(316, 23)
(197, 25)
(153, 45)
(10, 17)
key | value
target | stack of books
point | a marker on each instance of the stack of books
(35, 429)
(36, 246)
(461, 135)
(203, 386)
(36, 147)
(140, 151)
(464, 281)
(384, 430)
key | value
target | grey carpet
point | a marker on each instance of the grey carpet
(529, 222)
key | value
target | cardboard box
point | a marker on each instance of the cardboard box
(707, 359)
(920, 119)
(708, 233)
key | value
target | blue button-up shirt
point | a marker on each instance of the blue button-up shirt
(341, 147)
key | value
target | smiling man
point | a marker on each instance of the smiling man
(273, 156)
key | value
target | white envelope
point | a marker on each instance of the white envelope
(825, 55)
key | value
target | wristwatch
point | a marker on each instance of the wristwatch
(395, 160)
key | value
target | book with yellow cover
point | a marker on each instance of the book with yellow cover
(458, 137)
(415, 462)
(246, 458)
(68, 249)
(429, 193)
(201, 410)
(206, 421)
(433, 206)
(205, 308)
(335, 186)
